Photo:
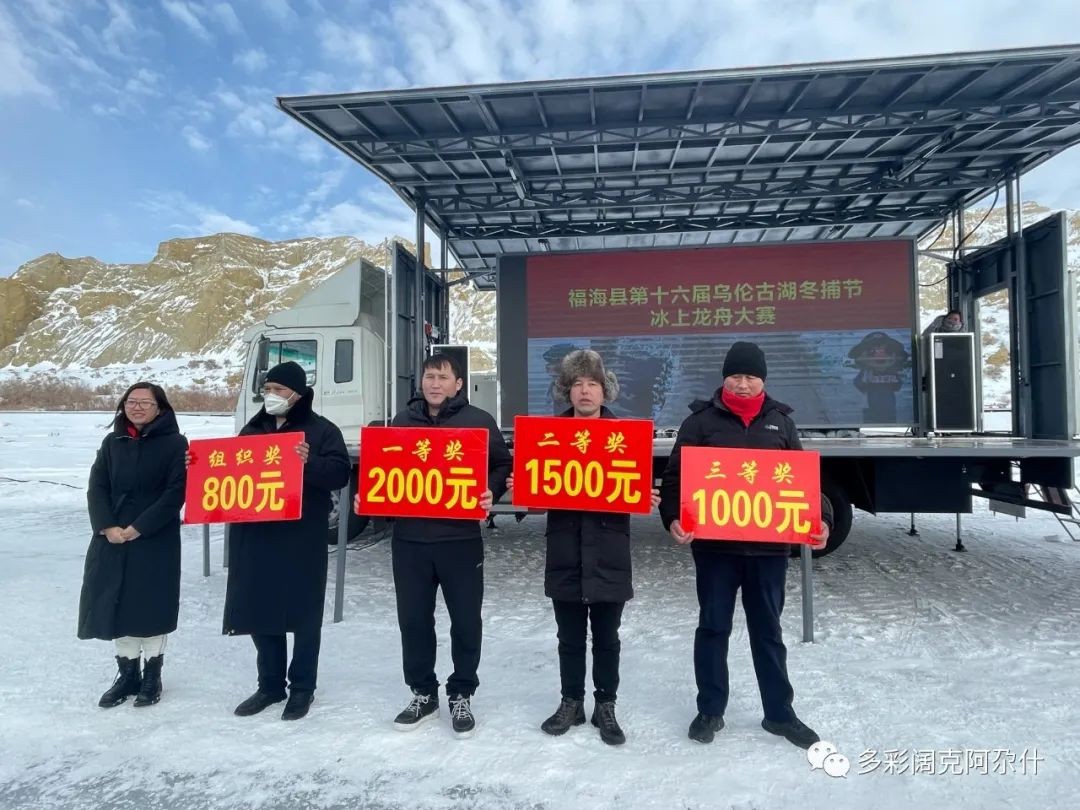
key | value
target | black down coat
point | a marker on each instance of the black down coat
(277, 569)
(711, 424)
(133, 588)
(588, 553)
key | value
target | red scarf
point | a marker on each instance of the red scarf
(133, 431)
(746, 408)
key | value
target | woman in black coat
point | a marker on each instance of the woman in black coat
(131, 582)
(277, 569)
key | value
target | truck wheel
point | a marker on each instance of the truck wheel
(357, 523)
(841, 507)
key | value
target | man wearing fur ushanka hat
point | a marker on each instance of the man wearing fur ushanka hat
(587, 570)
(739, 414)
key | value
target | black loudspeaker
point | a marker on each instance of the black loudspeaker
(953, 408)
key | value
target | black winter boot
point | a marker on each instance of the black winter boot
(127, 683)
(603, 717)
(795, 731)
(704, 727)
(571, 712)
(297, 706)
(150, 692)
(257, 702)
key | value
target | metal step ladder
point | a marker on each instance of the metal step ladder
(1057, 496)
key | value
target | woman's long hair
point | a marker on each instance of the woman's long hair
(121, 422)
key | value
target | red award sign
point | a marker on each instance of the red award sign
(593, 465)
(769, 496)
(423, 472)
(245, 479)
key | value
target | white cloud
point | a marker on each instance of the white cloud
(252, 60)
(212, 221)
(226, 17)
(23, 202)
(253, 115)
(120, 30)
(187, 14)
(195, 139)
(18, 73)
(350, 45)
(144, 82)
(279, 10)
(194, 218)
(374, 216)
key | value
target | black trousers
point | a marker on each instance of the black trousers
(719, 577)
(420, 569)
(572, 619)
(272, 656)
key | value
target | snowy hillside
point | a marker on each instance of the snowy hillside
(179, 318)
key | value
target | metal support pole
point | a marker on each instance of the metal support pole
(444, 265)
(206, 550)
(959, 545)
(418, 300)
(225, 548)
(806, 559)
(913, 532)
(344, 510)
(1024, 405)
(392, 335)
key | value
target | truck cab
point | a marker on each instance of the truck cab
(336, 332)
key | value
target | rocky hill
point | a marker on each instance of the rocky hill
(180, 317)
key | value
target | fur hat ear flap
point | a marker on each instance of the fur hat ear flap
(585, 363)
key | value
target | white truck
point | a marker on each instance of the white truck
(337, 333)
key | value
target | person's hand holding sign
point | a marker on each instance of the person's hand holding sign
(677, 533)
(820, 540)
(303, 450)
(486, 500)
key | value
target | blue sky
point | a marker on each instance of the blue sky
(123, 124)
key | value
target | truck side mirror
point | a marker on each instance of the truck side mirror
(262, 365)
(260, 381)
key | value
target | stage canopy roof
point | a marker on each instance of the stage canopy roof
(837, 150)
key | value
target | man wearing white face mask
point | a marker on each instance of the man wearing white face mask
(277, 570)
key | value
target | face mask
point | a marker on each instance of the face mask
(953, 327)
(276, 405)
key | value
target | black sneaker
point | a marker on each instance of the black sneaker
(571, 712)
(300, 701)
(603, 717)
(256, 703)
(461, 716)
(704, 727)
(795, 732)
(420, 709)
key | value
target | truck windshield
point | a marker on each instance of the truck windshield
(304, 352)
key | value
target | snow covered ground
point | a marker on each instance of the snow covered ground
(947, 657)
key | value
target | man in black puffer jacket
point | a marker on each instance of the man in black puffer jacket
(431, 552)
(587, 570)
(277, 569)
(740, 414)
